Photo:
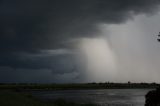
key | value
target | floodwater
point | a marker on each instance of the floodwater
(103, 97)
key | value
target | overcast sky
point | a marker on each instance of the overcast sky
(64, 41)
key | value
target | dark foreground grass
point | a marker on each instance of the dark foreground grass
(12, 98)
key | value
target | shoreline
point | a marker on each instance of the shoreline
(78, 86)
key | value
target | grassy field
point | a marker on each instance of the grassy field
(12, 98)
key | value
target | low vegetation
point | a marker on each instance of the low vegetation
(108, 85)
(13, 98)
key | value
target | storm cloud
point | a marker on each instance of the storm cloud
(38, 24)
(42, 34)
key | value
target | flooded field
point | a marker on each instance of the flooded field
(104, 97)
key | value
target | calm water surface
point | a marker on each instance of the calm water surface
(121, 97)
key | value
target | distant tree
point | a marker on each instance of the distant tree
(129, 82)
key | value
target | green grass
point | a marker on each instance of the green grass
(12, 98)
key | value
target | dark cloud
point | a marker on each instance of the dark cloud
(39, 24)
(9, 75)
(29, 27)
(58, 63)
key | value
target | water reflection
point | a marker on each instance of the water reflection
(106, 97)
